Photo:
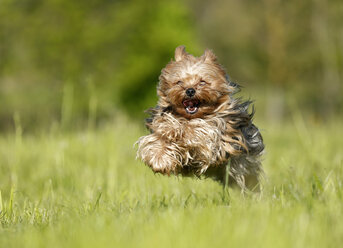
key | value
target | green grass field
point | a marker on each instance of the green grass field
(85, 189)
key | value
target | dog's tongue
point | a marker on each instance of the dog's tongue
(189, 103)
(191, 106)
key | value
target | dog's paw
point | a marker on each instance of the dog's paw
(160, 156)
(163, 163)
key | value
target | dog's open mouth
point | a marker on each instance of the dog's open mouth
(191, 105)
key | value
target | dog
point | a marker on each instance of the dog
(198, 126)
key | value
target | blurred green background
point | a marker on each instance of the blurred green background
(78, 63)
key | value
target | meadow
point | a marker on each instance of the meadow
(75, 77)
(85, 189)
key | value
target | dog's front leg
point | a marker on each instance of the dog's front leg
(168, 128)
(162, 156)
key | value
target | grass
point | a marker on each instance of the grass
(85, 189)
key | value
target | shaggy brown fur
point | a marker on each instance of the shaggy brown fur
(197, 125)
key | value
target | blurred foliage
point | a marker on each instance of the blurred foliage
(70, 62)
(76, 60)
(288, 49)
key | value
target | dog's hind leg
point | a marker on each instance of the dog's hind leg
(246, 171)
(246, 168)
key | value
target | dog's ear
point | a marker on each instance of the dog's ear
(209, 56)
(180, 53)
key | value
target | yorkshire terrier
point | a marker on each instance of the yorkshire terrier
(198, 126)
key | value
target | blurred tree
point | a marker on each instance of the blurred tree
(291, 48)
(64, 61)
(74, 60)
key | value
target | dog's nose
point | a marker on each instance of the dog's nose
(190, 92)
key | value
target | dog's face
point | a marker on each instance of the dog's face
(193, 87)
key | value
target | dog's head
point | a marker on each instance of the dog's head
(193, 87)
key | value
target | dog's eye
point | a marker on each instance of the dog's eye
(179, 82)
(202, 83)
